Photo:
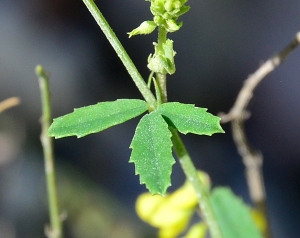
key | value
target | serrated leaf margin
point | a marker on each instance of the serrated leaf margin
(154, 121)
(204, 122)
(76, 119)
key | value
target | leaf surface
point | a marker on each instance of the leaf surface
(96, 118)
(233, 215)
(152, 153)
(187, 118)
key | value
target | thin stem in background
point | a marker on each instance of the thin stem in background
(246, 93)
(8, 103)
(121, 52)
(55, 230)
(252, 159)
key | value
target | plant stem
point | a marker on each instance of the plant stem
(185, 160)
(162, 37)
(121, 52)
(162, 83)
(161, 78)
(191, 174)
(47, 143)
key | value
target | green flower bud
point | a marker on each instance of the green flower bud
(182, 10)
(177, 4)
(169, 5)
(145, 28)
(158, 20)
(167, 15)
(157, 7)
(163, 60)
(156, 64)
(173, 25)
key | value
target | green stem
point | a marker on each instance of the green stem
(185, 159)
(162, 37)
(121, 52)
(191, 174)
(47, 143)
(162, 78)
(162, 84)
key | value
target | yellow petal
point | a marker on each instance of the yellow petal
(173, 231)
(184, 198)
(197, 231)
(167, 216)
(147, 204)
(259, 220)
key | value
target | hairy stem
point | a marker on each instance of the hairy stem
(162, 78)
(121, 52)
(191, 174)
(55, 230)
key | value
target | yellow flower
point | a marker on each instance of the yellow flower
(170, 214)
(197, 231)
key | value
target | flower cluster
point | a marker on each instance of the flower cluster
(171, 214)
(165, 14)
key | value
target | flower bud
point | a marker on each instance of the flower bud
(145, 28)
(173, 25)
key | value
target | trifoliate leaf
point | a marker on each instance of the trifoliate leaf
(187, 118)
(233, 215)
(152, 154)
(96, 118)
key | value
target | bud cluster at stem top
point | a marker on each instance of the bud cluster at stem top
(165, 14)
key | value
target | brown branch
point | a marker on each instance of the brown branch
(252, 159)
(246, 93)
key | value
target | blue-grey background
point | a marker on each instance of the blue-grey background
(219, 45)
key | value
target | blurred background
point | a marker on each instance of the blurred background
(219, 45)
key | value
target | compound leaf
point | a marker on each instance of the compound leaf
(96, 118)
(187, 118)
(233, 215)
(152, 153)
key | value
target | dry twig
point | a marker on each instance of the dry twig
(8, 103)
(253, 159)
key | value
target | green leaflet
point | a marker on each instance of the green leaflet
(152, 153)
(96, 118)
(233, 215)
(151, 145)
(187, 118)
